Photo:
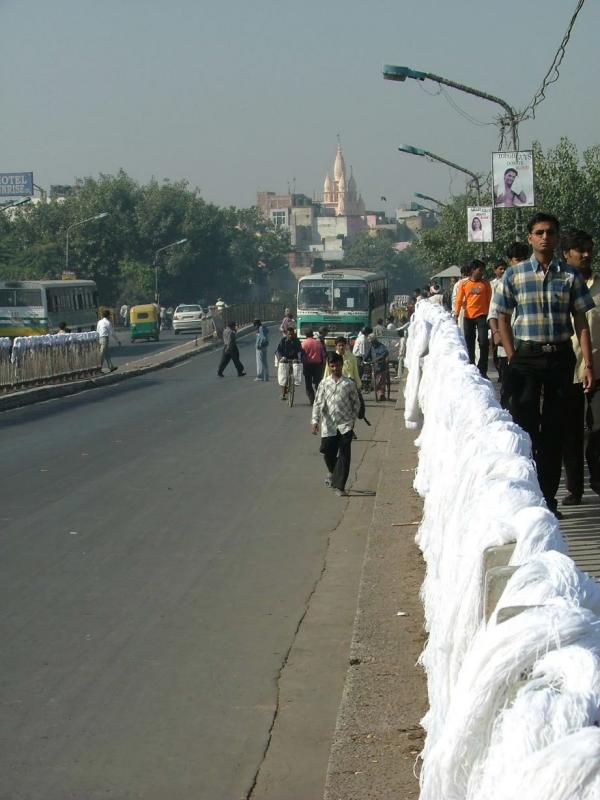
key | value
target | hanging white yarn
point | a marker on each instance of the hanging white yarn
(496, 659)
(562, 696)
(568, 769)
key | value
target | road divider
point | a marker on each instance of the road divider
(512, 694)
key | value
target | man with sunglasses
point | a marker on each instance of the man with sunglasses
(544, 293)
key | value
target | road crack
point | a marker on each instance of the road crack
(250, 793)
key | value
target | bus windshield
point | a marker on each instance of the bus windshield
(348, 296)
(315, 294)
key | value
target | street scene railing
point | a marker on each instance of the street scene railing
(246, 313)
(30, 360)
(513, 630)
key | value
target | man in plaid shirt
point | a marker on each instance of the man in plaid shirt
(544, 294)
(335, 409)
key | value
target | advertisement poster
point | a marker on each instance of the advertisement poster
(512, 177)
(479, 224)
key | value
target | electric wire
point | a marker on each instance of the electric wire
(553, 74)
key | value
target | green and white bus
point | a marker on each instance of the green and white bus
(342, 300)
(32, 308)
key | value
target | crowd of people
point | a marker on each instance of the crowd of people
(332, 380)
(539, 315)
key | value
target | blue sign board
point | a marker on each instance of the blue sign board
(16, 184)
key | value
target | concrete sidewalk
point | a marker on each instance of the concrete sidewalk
(378, 736)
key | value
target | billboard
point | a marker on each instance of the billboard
(512, 177)
(16, 184)
(479, 224)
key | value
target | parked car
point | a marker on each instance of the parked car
(187, 318)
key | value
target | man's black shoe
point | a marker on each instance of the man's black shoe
(241, 374)
(572, 500)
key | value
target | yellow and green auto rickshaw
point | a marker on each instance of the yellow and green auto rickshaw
(144, 322)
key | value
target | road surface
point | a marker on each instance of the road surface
(164, 541)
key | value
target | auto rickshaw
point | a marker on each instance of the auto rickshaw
(144, 322)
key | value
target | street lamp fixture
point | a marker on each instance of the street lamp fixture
(418, 151)
(76, 225)
(395, 73)
(156, 254)
(431, 199)
(20, 202)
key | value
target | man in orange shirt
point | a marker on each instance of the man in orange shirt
(474, 295)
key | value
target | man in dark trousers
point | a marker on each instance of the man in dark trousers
(578, 249)
(335, 410)
(544, 293)
(230, 351)
(475, 295)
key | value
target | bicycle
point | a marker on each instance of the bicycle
(290, 384)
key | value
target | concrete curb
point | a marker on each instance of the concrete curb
(162, 359)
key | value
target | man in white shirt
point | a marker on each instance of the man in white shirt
(124, 314)
(335, 410)
(105, 332)
(362, 348)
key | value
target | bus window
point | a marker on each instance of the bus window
(315, 294)
(28, 297)
(7, 298)
(353, 297)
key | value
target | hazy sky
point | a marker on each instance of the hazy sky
(249, 94)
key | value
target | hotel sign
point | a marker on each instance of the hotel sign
(16, 184)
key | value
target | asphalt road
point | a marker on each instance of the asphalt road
(161, 539)
(131, 351)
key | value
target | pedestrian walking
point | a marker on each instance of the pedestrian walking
(288, 321)
(379, 327)
(230, 351)
(350, 366)
(361, 348)
(379, 359)
(544, 293)
(474, 296)
(577, 248)
(262, 345)
(335, 411)
(105, 332)
(499, 271)
(124, 315)
(314, 363)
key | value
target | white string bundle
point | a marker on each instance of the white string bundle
(480, 489)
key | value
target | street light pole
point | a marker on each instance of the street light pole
(417, 151)
(20, 202)
(160, 250)
(76, 225)
(431, 199)
(394, 73)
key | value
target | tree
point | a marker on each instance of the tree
(565, 185)
(404, 270)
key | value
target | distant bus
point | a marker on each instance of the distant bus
(31, 308)
(342, 300)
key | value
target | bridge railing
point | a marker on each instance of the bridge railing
(30, 360)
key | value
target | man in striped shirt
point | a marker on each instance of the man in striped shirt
(544, 292)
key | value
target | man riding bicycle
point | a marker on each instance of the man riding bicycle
(289, 349)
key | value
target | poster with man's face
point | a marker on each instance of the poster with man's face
(479, 224)
(512, 175)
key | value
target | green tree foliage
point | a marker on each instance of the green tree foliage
(228, 250)
(405, 270)
(565, 185)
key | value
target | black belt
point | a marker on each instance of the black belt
(525, 346)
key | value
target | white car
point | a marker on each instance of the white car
(187, 318)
